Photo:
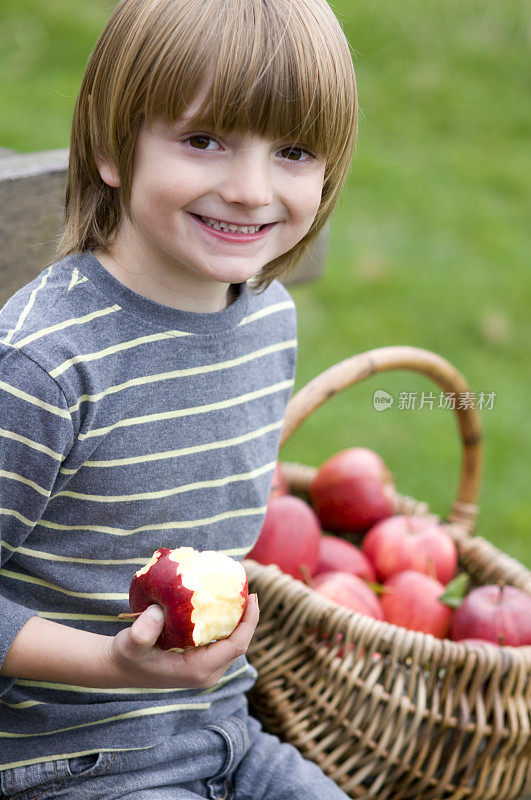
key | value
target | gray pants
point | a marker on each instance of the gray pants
(234, 760)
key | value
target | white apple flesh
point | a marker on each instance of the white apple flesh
(203, 595)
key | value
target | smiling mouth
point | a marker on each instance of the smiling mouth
(230, 227)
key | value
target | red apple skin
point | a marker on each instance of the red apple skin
(279, 484)
(161, 585)
(350, 591)
(410, 542)
(501, 615)
(336, 554)
(352, 490)
(411, 599)
(289, 537)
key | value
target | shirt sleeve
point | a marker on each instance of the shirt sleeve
(36, 434)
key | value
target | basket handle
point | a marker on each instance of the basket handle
(359, 367)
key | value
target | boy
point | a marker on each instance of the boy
(144, 378)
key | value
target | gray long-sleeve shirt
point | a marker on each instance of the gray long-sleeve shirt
(125, 425)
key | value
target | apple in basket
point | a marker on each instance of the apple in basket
(495, 613)
(289, 537)
(352, 490)
(336, 554)
(411, 542)
(411, 599)
(350, 591)
(203, 595)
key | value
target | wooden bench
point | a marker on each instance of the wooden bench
(32, 187)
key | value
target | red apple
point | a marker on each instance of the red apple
(498, 614)
(203, 595)
(352, 490)
(279, 484)
(350, 591)
(289, 537)
(411, 542)
(337, 554)
(411, 599)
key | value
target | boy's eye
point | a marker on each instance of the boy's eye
(295, 154)
(201, 141)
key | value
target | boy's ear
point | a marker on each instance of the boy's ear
(108, 172)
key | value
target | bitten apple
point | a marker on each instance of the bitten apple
(338, 554)
(289, 537)
(411, 599)
(352, 490)
(499, 614)
(350, 591)
(203, 595)
(410, 542)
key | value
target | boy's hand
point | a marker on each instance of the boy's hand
(136, 662)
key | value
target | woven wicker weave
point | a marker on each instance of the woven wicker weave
(387, 712)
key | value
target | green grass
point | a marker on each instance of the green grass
(429, 245)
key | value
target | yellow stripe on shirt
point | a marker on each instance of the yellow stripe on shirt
(29, 398)
(162, 493)
(186, 412)
(41, 554)
(101, 562)
(184, 373)
(67, 323)
(18, 576)
(113, 349)
(265, 312)
(138, 712)
(14, 476)
(16, 437)
(29, 305)
(184, 451)
(159, 526)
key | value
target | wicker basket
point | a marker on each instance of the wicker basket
(387, 712)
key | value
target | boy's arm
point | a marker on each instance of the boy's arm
(46, 650)
(36, 434)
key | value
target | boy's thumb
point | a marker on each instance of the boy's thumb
(146, 629)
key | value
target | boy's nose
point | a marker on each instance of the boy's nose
(247, 183)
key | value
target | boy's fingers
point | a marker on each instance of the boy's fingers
(251, 615)
(146, 629)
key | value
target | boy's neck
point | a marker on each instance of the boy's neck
(191, 295)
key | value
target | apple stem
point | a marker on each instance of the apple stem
(432, 572)
(501, 584)
(380, 588)
(129, 615)
(306, 575)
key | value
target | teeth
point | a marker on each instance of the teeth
(218, 225)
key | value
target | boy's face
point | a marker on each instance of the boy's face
(187, 181)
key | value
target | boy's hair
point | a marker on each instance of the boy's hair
(280, 68)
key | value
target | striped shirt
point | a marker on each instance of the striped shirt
(125, 426)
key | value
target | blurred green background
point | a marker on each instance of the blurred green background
(429, 245)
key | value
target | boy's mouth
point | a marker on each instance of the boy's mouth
(230, 227)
